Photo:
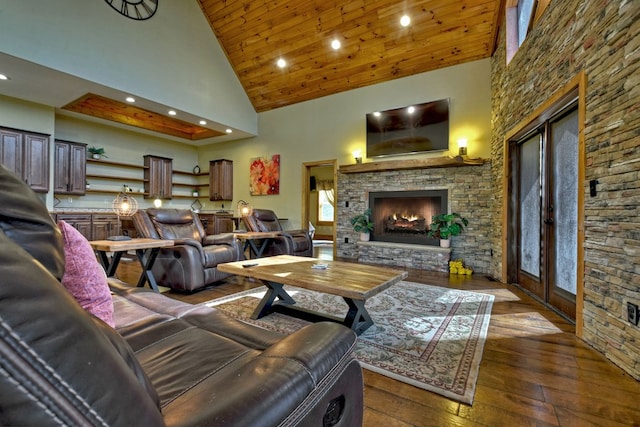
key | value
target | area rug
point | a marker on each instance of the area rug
(427, 336)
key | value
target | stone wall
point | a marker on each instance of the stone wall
(601, 38)
(470, 194)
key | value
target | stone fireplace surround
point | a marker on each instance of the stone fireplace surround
(470, 194)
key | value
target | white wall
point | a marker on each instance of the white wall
(332, 127)
(172, 58)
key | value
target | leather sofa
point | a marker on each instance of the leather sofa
(290, 242)
(191, 263)
(165, 362)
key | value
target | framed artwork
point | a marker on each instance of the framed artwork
(264, 175)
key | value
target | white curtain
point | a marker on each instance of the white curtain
(327, 186)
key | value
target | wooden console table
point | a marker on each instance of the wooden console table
(146, 251)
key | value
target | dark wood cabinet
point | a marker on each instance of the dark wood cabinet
(27, 155)
(96, 226)
(81, 222)
(69, 170)
(158, 175)
(104, 225)
(216, 223)
(221, 179)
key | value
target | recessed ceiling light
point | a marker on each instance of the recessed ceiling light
(228, 131)
(376, 113)
(203, 122)
(335, 44)
(405, 20)
(172, 113)
(281, 63)
(3, 77)
(131, 99)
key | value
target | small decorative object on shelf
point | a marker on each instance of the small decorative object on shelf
(96, 153)
(195, 193)
(196, 169)
(87, 185)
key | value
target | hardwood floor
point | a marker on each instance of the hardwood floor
(534, 371)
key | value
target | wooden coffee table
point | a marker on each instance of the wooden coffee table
(353, 282)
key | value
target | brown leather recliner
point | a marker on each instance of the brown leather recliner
(191, 263)
(291, 242)
(166, 363)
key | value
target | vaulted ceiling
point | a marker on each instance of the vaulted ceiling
(375, 47)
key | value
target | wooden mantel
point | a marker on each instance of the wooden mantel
(435, 162)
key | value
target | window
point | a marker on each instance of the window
(325, 207)
(520, 19)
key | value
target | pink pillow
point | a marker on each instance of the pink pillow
(83, 276)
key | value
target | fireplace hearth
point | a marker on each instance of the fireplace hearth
(404, 216)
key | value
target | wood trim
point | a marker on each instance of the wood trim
(432, 162)
(121, 112)
(306, 173)
(577, 83)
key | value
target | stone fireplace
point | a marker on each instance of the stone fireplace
(404, 216)
(468, 190)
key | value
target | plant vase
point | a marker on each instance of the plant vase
(445, 243)
(364, 237)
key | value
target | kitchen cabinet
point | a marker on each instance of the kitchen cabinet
(27, 155)
(93, 226)
(79, 221)
(158, 175)
(221, 179)
(216, 223)
(69, 169)
(104, 225)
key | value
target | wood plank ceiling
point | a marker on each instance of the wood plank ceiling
(375, 47)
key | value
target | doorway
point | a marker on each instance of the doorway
(319, 204)
(544, 231)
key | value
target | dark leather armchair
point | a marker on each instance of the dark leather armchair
(191, 263)
(291, 242)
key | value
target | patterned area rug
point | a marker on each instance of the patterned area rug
(427, 336)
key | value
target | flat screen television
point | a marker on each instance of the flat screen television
(408, 130)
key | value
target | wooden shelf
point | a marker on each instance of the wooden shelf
(436, 162)
(181, 184)
(187, 197)
(114, 178)
(177, 172)
(134, 193)
(110, 163)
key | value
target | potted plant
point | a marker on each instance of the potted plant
(363, 225)
(443, 226)
(96, 153)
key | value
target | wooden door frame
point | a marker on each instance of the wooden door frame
(306, 190)
(578, 85)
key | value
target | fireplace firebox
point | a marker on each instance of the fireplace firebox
(405, 216)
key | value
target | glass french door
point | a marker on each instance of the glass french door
(546, 190)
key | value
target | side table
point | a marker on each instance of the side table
(250, 239)
(146, 250)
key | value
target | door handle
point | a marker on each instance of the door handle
(548, 221)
